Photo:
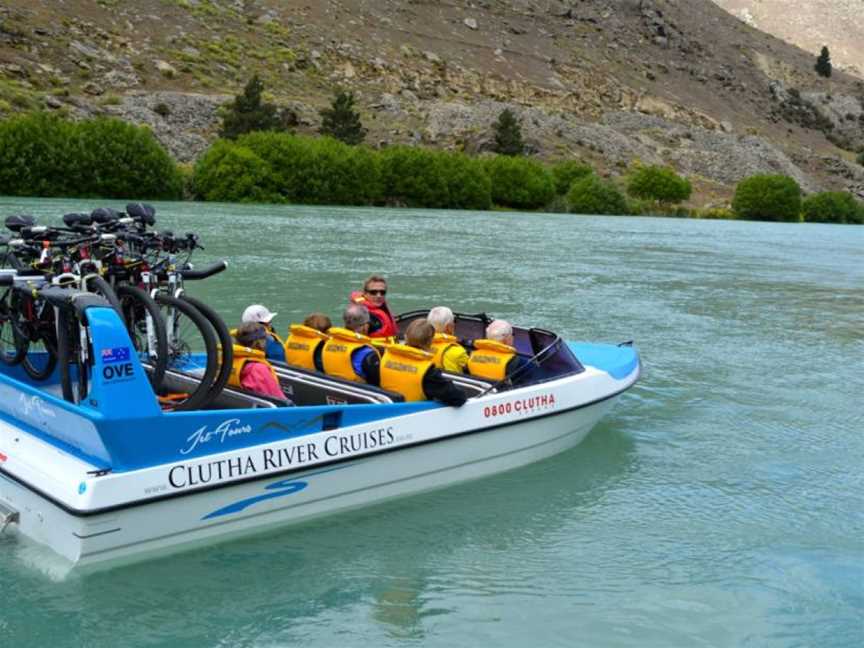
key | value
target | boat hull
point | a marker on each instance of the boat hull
(152, 528)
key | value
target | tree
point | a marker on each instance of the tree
(566, 172)
(823, 64)
(247, 113)
(520, 183)
(341, 121)
(767, 197)
(591, 195)
(508, 134)
(830, 207)
(658, 183)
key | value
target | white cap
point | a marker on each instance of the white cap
(258, 313)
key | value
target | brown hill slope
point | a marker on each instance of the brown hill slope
(611, 81)
(839, 24)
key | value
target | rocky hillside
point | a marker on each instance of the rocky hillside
(608, 81)
(839, 24)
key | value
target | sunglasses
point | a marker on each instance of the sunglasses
(377, 292)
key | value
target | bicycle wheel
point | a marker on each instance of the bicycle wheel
(101, 287)
(146, 330)
(41, 355)
(226, 344)
(74, 370)
(13, 347)
(191, 349)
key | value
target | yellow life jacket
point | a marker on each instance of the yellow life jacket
(489, 359)
(441, 344)
(336, 356)
(402, 370)
(301, 345)
(242, 355)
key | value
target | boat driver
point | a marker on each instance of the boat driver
(449, 354)
(349, 353)
(373, 298)
(275, 347)
(495, 358)
(409, 369)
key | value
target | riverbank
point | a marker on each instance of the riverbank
(43, 155)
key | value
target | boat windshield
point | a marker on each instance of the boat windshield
(551, 356)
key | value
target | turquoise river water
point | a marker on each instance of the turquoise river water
(721, 503)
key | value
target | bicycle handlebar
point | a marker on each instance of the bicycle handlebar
(208, 271)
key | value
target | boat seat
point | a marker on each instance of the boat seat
(307, 387)
(233, 398)
(470, 385)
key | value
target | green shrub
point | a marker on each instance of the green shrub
(830, 207)
(518, 182)
(768, 197)
(860, 158)
(414, 177)
(117, 159)
(658, 183)
(36, 156)
(714, 213)
(564, 173)
(287, 157)
(43, 155)
(229, 172)
(858, 217)
(468, 185)
(591, 195)
(333, 173)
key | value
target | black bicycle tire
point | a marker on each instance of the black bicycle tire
(201, 396)
(18, 341)
(224, 339)
(161, 364)
(64, 348)
(104, 288)
(48, 370)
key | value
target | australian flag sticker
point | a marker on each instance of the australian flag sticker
(116, 354)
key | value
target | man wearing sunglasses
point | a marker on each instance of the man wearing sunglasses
(373, 297)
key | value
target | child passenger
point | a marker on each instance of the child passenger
(251, 370)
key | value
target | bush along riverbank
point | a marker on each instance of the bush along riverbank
(44, 155)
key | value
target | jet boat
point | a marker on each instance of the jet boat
(116, 479)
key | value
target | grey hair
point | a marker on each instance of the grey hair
(355, 316)
(440, 317)
(499, 330)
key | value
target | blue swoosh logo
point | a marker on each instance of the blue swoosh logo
(281, 488)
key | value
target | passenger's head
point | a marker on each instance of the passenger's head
(442, 319)
(258, 313)
(356, 318)
(252, 335)
(500, 331)
(419, 334)
(375, 289)
(318, 321)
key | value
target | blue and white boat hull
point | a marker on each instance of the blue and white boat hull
(221, 484)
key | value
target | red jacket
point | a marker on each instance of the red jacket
(381, 324)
